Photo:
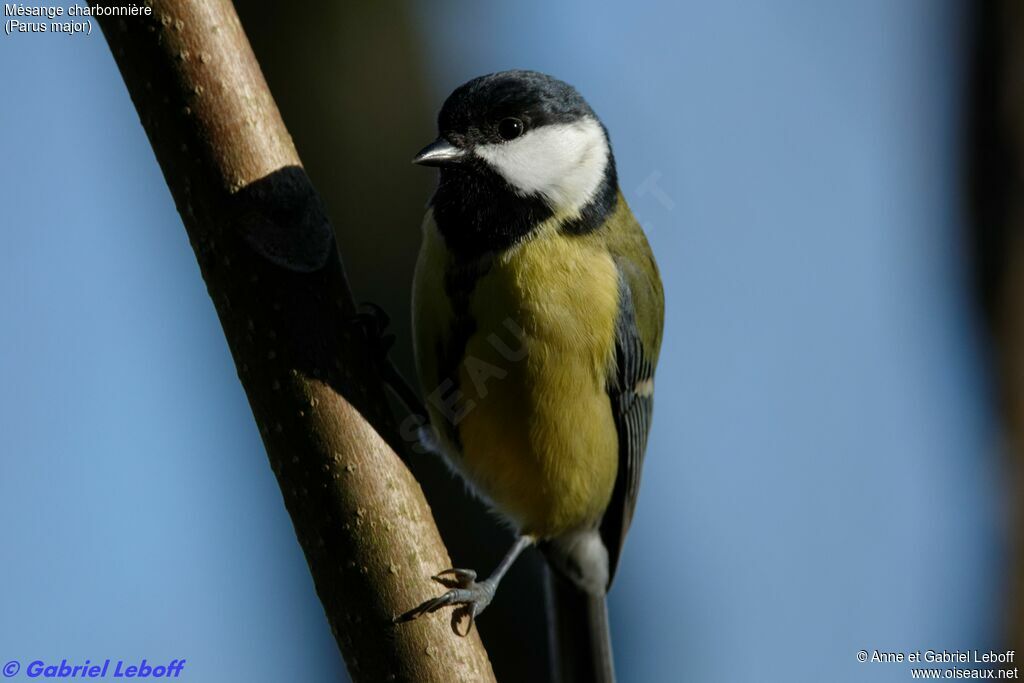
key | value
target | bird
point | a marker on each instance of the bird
(538, 312)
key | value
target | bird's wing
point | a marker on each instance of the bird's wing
(631, 389)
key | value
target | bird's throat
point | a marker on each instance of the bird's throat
(477, 212)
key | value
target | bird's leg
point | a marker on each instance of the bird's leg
(465, 590)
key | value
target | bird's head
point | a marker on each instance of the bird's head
(519, 139)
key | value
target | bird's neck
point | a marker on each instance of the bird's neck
(477, 212)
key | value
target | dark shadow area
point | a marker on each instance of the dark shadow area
(994, 179)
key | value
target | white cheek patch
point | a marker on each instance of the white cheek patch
(562, 162)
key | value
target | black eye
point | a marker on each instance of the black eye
(510, 128)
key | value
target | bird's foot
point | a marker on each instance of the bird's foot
(469, 596)
(373, 322)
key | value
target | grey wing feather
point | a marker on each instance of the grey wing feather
(632, 402)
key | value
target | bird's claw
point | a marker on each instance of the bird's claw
(374, 321)
(455, 578)
(370, 311)
(468, 596)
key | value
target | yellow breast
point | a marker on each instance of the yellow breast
(534, 425)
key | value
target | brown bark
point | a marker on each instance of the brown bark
(268, 257)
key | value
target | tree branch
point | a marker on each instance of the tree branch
(267, 254)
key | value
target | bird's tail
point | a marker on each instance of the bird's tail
(581, 644)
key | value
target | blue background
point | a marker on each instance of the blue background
(823, 474)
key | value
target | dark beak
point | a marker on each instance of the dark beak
(440, 152)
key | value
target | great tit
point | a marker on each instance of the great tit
(537, 315)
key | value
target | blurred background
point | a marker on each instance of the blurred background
(830, 190)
